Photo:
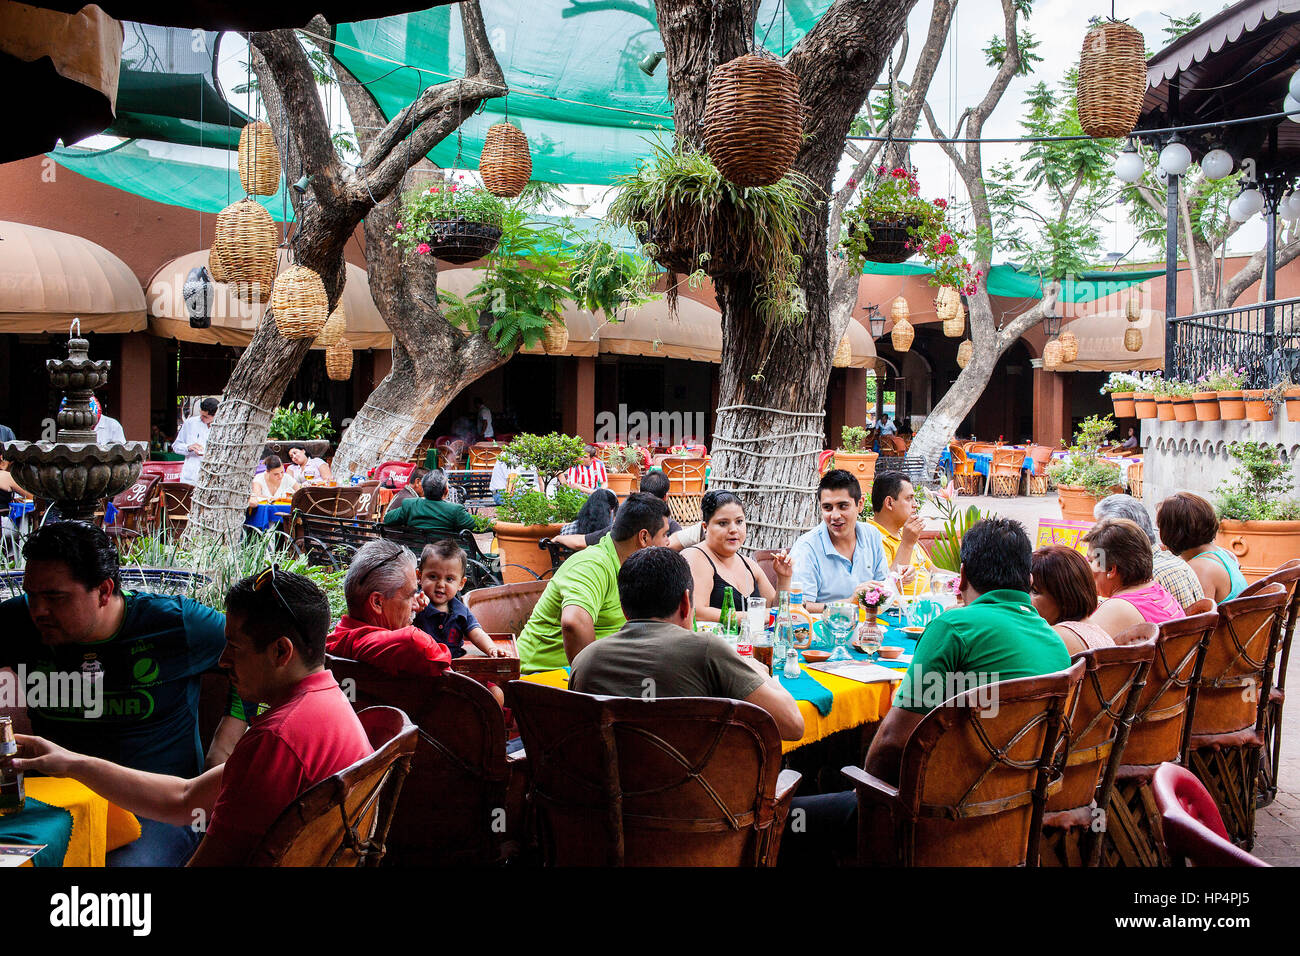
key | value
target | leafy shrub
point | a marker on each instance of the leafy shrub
(1084, 466)
(534, 508)
(299, 421)
(1260, 487)
(546, 455)
(853, 439)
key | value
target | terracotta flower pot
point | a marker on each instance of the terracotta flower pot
(1293, 404)
(861, 465)
(1231, 406)
(1261, 546)
(622, 483)
(1144, 404)
(1207, 406)
(1259, 408)
(1184, 408)
(1076, 503)
(1165, 408)
(518, 543)
(1123, 402)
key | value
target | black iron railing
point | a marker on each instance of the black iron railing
(1263, 339)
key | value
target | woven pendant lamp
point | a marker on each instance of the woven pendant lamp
(1132, 310)
(299, 303)
(1069, 346)
(1112, 79)
(335, 326)
(964, 353)
(506, 163)
(843, 357)
(216, 268)
(338, 361)
(259, 160)
(246, 241)
(902, 335)
(752, 126)
(556, 338)
(947, 306)
(1133, 340)
(1052, 354)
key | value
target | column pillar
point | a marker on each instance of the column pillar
(855, 396)
(134, 375)
(584, 398)
(1051, 408)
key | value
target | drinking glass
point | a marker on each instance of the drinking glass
(840, 619)
(756, 609)
(868, 639)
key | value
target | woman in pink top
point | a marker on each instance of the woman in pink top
(1064, 593)
(1120, 555)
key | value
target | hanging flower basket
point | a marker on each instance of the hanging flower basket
(890, 241)
(459, 241)
(506, 164)
(455, 223)
(555, 339)
(752, 126)
(1112, 79)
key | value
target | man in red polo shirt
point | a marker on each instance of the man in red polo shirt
(383, 594)
(276, 624)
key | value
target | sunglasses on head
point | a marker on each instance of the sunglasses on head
(268, 577)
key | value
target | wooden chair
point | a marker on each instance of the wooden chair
(460, 776)
(1190, 821)
(367, 505)
(973, 782)
(685, 476)
(344, 819)
(1159, 734)
(685, 509)
(498, 670)
(1289, 576)
(686, 781)
(505, 609)
(332, 502)
(174, 506)
(137, 506)
(964, 475)
(1233, 685)
(1097, 729)
(483, 455)
(981, 448)
(1135, 479)
(1036, 484)
(1004, 472)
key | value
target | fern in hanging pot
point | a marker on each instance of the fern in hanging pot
(453, 222)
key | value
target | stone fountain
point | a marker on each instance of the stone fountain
(74, 471)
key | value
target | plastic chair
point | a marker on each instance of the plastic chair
(393, 473)
(1190, 821)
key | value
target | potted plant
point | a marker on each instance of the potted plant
(1209, 389)
(945, 549)
(854, 456)
(892, 221)
(1181, 401)
(1291, 396)
(526, 516)
(1120, 387)
(1164, 401)
(1260, 403)
(1084, 478)
(1226, 382)
(298, 425)
(1259, 518)
(453, 222)
(1144, 398)
(622, 467)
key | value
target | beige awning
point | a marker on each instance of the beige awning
(234, 320)
(48, 278)
(1101, 343)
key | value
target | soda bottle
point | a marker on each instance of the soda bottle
(745, 640)
(12, 795)
(728, 618)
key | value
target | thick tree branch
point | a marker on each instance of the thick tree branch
(1253, 270)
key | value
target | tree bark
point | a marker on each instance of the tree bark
(773, 378)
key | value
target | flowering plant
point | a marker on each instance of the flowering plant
(871, 596)
(1122, 382)
(895, 198)
(1222, 379)
(450, 201)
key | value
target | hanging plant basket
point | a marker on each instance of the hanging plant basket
(1133, 340)
(506, 163)
(843, 357)
(459, 241)
(889, 240)
(1069, 346)
(1112, 79)
(299, 303)
(259, 160)
(1052, 354)
(338, 361)
(752, 127)
(246, 241)
(335, 326)
(964, 353)
(556, 338)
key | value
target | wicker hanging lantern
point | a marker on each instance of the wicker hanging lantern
(902, 335)
(1069, 346)
(1052, 354)
(964, 353)
(946, 301)
(335, 326)
(216, 268)
(556, 338)
(1132, 311)
(1112, 79)
(259, 160)
(1133, 340)
(338, 361)
(506, 164)
(899, 311)
(752, 127)
(299, 303)
(245, 242)
(843, 354)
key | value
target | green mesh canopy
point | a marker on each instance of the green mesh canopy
(1009, 282)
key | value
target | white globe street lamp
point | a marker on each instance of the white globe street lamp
(1175, 158)
(1216, 164)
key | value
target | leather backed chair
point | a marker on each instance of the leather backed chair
(1004, 472)
(972, 785)
(685, 781)
(1233, 684)
(344, 819)
(1097, 730)
(393, 474)
(1159, 734)
(506, 608)
(137, 506)
(174, 506)
(322, 501)
(368, 505)
(1287, 575)
(1190, 821)
(460, 776)
(764, 559)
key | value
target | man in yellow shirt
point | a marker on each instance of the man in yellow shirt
(893, 506)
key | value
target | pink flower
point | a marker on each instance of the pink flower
(941, 203)
(422, 249)
(851, 183)
(398, 227)
(899, 173)
(880, 170)
(451, 189)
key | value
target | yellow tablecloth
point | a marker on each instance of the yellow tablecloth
(97, 825)
(854, 703)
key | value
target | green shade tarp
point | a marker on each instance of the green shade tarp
(1009, 282)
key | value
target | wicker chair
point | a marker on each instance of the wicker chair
(1004, 472)
(483, 455)
(344, 819)
(1097, 729)
(1232, 692)
(1036, 483)
(1159, 735)
(1288, 575)
(685, 509)
(967, 479)
(1135, 479)
(972, 784)
(1190, 821)
(685, 476)
(686, 781)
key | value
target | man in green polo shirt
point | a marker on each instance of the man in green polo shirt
(431, 514)
(580, 604)
(995, 636)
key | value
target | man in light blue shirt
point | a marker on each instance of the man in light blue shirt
(841, 553)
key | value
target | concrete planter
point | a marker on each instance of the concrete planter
(1261, 546)
(518, 544)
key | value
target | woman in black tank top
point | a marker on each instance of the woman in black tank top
(717, 564)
